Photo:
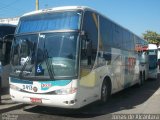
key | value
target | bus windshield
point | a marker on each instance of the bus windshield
(45, 46)
(152, 62)
(49, 22)
(45, 56)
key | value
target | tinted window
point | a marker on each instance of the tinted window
(152, 62)
(106, 33)
(90, 26)
(5, 30)
(117, 36)
(132, 42)
(6, 34)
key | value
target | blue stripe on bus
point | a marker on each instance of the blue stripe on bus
(54, 82)
(15, 80)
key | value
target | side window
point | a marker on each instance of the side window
(106, 33)
(138, 44)
(90, 41)
(5, 46)
(114, 34)
(117, 36)
(132, 42)
(126, 38)
(7, 52)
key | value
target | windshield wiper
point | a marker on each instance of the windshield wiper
(48, 63)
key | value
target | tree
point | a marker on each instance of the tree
(152, 37)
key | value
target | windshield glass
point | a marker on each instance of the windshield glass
(49, 22)
(23, 53)
(152, 62)
(45, 55)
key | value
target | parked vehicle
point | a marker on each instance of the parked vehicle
(69, 57)
(6, 37)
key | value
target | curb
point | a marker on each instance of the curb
(17, 106)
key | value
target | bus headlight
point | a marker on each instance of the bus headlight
(65, 91)
(15, 87)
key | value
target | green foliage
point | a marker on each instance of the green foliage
(152, 37)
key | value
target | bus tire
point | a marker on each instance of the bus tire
(105, 91)
(141, 79)
(144, 76)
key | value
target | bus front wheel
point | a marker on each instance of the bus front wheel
(105, 91)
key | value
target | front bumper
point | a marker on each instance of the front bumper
(61, 101)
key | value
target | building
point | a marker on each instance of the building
(13, 21)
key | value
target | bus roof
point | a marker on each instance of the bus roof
(57, 9)
(63, 8)
(152, 46)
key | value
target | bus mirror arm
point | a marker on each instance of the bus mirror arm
(89, 52)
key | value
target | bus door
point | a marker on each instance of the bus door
(89, 45)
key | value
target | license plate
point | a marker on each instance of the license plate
(36, 100)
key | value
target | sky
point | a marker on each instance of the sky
(138, 16)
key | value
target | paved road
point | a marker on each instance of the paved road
(133, 100)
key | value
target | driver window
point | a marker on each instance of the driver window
(90, 41)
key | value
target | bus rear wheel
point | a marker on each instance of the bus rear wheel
(105, 91)
(142, 79)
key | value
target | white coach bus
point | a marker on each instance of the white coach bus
(69, 57)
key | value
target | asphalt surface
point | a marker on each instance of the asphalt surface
(131, 101)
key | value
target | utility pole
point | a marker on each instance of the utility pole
(37, 4)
